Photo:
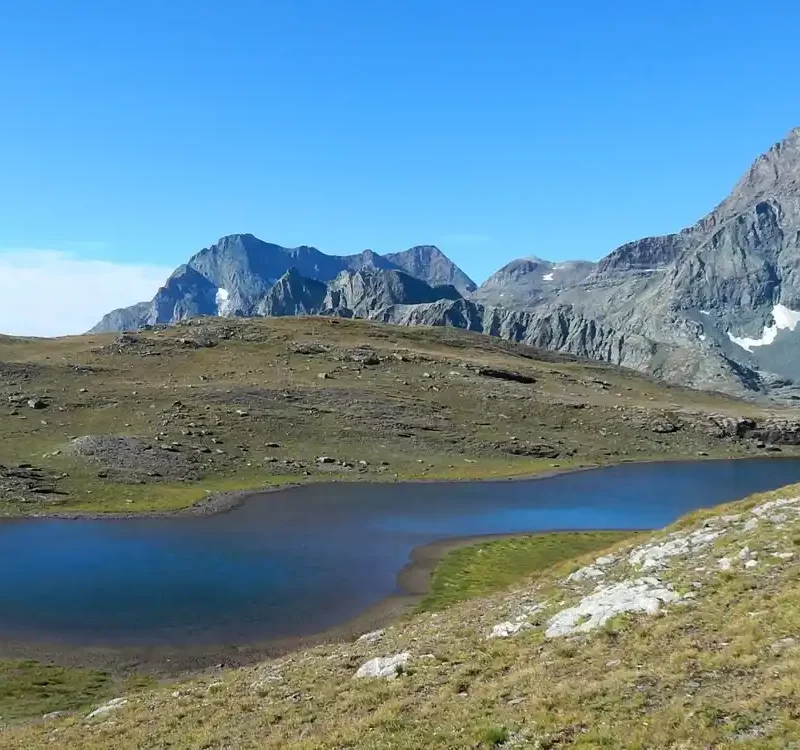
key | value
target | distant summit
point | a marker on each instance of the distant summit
(714, 306)
(236, 275)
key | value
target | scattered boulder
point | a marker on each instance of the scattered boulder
(326, 460)
(372, 638)
(363, 355)
(501, 374)
(534, 450)
(36, 403)
(107, 708)
(783, 644)
(385, 667)
(309, 347)
(508, 628)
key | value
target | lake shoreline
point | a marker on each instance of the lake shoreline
(172, 659)
(413, 582)
(223, 502)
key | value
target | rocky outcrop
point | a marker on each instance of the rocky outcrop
(293, 295)
(365, 293)
(768, 430)
(683, 559)
(595, 610)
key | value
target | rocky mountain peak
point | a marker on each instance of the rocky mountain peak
(291, 275)
(292, 294)
(241, 275)
(714, 306)
(775, 172)
(429, 263)
(526, 282)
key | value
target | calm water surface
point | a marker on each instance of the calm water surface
(301, 561)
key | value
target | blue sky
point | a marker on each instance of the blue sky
(138, 133)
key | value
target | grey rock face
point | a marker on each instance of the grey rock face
(124, 319)
(526, 282)
(362, 294)
(430, 264)
(235, 276)
(714, 306)
(293, 295)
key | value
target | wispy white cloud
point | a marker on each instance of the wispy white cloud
(83, 245)
(466, 238)
(55, 293)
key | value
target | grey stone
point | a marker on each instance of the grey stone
(371, 638)
(107, 708)
(640, 595)
(386, 667)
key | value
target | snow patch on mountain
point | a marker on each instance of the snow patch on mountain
(782, 319)
(223, 299)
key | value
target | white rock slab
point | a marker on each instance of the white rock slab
(385, 667)
(640, 595)
(107, 707)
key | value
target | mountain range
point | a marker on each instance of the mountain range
(713, 306)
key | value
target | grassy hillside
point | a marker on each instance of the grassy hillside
(684, 639)
(160, 420)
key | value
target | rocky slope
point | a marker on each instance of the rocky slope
(684, 639)
(525, 282)
(715, 306)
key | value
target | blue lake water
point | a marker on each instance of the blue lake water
(301, 561)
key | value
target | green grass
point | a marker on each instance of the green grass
(482, 568)
(29, 689)
(721, 670)
(424, 415)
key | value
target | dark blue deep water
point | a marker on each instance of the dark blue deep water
(301, 561)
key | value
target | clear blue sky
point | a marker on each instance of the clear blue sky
(143, 131)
